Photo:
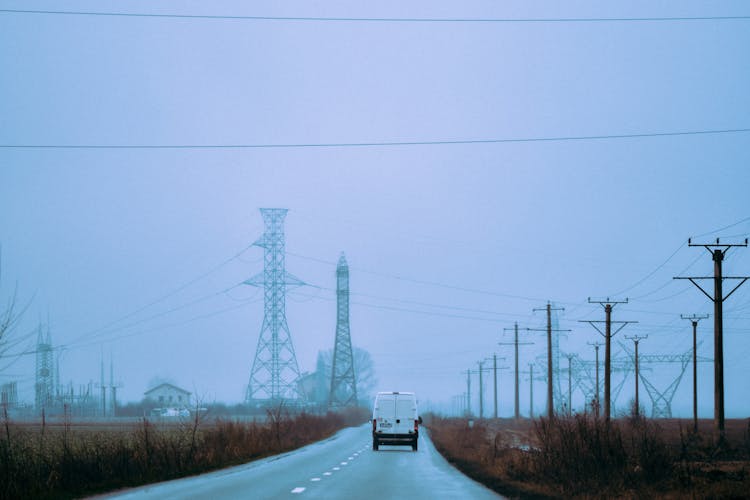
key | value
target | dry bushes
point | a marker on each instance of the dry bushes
(582, 455)
(585, 457)
(64, 462)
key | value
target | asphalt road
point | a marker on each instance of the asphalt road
(343, 466)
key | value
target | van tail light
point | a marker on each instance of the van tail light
(374, 424)
(416, 425)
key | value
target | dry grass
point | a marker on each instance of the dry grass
(582, 457)
(66, 461)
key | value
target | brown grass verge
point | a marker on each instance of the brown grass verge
(584, 457)
(69, 461)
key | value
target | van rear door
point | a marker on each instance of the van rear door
(386, 411)
(405, 413)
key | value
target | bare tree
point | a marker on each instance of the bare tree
(365, 369)
(10, 317)
(364, 374)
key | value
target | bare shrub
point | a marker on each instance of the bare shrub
(580, 456)
(45, 462)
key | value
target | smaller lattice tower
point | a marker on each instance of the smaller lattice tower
(45, 372)
(343, 380)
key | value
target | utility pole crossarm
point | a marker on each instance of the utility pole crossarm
(744, 279)
(544, 329)
(693, 279)
(604, 303)
(718, 244)
(694, 317)
(622, 324)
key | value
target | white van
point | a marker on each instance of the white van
(395, 419)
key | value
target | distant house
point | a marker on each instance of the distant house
(306, 384)
(168, 395)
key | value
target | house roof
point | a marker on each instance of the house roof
(167, 385)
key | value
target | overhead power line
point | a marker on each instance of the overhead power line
(405, 309)
(746, 219)
(422, 304)
(425, 282)
(378, 143)
(110, 326)
(381, 19)
(651, 273)
(171, 325)
(714, 231)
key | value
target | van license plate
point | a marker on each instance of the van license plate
(385, 424)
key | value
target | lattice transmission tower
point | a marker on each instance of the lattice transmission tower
(44, 385)
(343, 379)
(275, 373)
(661, 400)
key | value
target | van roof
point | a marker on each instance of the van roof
(396, 392)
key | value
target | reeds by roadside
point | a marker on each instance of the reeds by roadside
(43, 461)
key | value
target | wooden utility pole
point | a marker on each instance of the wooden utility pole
(549, 309)
(717, 250)
(636, 339)
(494, 370)
(607, 334)
(494, 385)
(515, 343)
(694, 319)
(570, 384)
(531, 390)
(596, 398)
(481, 393)
(468, 393)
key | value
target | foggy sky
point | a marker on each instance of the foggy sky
(448, 244)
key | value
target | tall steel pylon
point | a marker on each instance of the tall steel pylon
(275, 372)
(45, 372)
(343, 379)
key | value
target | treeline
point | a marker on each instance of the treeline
(70, 460)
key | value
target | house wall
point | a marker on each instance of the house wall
(170, 396)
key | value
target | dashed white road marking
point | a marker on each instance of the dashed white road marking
(344, 463)
(350, 458)
(327, 473)
(298, 489)
(337, 468)
(315, 479)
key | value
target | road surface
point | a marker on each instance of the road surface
(343, 466)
